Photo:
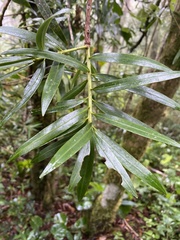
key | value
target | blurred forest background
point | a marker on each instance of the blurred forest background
(32, 209)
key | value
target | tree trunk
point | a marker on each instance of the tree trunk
(106, 205)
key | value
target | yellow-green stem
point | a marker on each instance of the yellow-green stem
(73, 49)
(89, 86)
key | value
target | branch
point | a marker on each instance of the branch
(3, 11)
(87, 23)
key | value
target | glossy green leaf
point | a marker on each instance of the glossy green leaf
(129, 59)
(105, 150)
(30, 36)
(29, 91)
(41, 34)
(75, 91)
(69, 149)
(7, 62)
(176, 57)
(106, 108)
(155, 96)
(105, 77)
(114, 151)
(57, 57)
(86, 173)
(65, 105)
(51, 149)
(7, 75)
(46, 12)
(75, 176)
(20, 33)
(140, 129)
(23, 3)
(50, 132)
(51, 85)
(136, 81)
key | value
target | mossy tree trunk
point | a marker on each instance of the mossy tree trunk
(150, 112)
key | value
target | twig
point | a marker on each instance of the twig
(87, 23)
(131, 229)
(3, 11)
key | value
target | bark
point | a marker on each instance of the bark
(106, 205)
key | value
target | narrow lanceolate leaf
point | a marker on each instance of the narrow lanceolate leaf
(51, 85)
(29, 91)
(76, 177)
(129, 59)
(140, 129)
(103, 145)
(41, 34)
(30, 36)
(50, 132)
(45, 11)
(5, 76)
(136, 81)
(65, 105)
(51, 149)
(106, 108)
(86, 173)
(20, 33)
(75, 91)
(176, 57)
(155, 96)
(7, 62)
(57, 57)
(69, 149)
(127, 160)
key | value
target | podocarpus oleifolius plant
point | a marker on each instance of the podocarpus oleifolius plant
(76, 132)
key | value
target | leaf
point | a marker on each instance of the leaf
(51, 149)
(106, 108)
(74, 92)
(65, 105)
(23, 3)
(57, 57)
(155, 96)
(86, 173)
(48, 151)
(75, 176)
(103, 145)
(45, 11)
(50, 132)
(30, 36)
(7, 62)
(129, 59)
(5, 76)
(51, 85)
(69, 149)
(29, 91)
(41, 33)
(136, 81)
(176, 57)
(105, 77)
(113, 151)
(20, 33)
(137, 128)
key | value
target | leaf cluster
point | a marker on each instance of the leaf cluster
(75, 132)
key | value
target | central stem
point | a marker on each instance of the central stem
(89, 86)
